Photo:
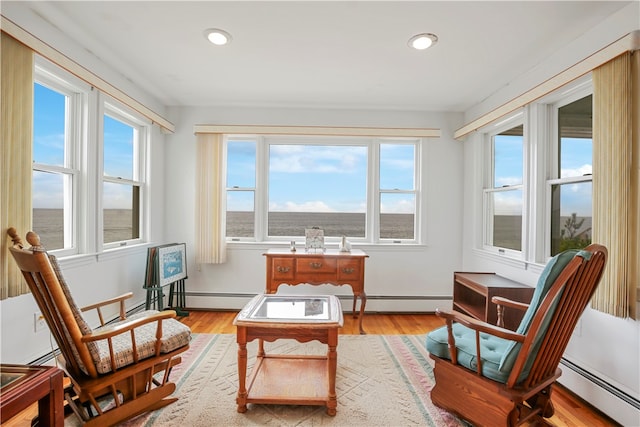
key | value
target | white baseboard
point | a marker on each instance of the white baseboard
(615, 403)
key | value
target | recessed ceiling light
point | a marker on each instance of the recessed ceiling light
(422, 41)
(217, 36)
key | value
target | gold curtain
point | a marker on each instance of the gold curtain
(615, 184)
(211, 247)
(16, 89)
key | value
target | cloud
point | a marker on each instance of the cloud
(316, 159)
(310, 206)
(579, 171)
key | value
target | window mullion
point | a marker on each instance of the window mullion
(261, 190)
(372, 233)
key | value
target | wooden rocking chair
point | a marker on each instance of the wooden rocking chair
(492, 376)
(117, 371)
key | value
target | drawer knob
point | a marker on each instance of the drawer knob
(348, 270)
(315, 264)
(282, 269)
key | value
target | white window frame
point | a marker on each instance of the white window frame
(142, 129)
(539, 174)
(488, 189)
(578, 90)
(83, 162)
(46, 74)
(373, 191)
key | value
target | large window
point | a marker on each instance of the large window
(398, 191)
(570, 184)
(537, 170)
(362, 188)
(503, 194)
(123, 140)
(241, 188)
(88, 167)
(56, 138)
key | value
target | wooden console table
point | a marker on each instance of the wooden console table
(328, 267)
(24, 385)
(472, 293)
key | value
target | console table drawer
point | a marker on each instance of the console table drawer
(283, 268)
(349, 269)
(316, 265)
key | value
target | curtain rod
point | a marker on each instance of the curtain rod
(318, 130)
(82, 73)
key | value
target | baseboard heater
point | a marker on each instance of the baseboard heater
(347, 297)
(611, 389)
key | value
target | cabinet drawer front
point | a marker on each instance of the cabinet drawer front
(316, 265)
(349, 269)
(282, 268)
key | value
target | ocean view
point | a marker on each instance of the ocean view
(283, 224)
(48, 223)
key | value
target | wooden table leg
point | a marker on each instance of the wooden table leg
(332, 367)
(363, 303)
(241, 400)
(51, 406)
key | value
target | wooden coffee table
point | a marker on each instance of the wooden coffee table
(289, 379)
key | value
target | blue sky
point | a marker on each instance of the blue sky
(320, 178)
(48, 148)
(576, 161)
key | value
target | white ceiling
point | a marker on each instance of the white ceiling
(325, 54)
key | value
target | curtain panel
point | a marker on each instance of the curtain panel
(211, 247)
(16, 89)
(615, 185)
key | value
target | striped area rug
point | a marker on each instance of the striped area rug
(382, 380)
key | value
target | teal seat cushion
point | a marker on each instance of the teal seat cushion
(491, 350)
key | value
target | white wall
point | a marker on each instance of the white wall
(602, 345)
(399, 272)
(92, 277)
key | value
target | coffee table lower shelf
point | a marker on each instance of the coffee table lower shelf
(290, 380)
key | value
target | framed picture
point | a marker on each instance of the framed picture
(314, 239)
(172, 263)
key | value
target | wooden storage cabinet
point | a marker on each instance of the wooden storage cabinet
(472, 294)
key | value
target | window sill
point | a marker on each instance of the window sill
(367, 247)
(82, 260)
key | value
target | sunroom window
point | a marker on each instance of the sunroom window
(123, 142)
(570, 189)
(55, 168)
(363, 188)
(503, 197)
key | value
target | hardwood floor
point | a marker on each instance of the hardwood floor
(571, 411)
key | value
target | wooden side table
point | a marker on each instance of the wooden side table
(472, 293)
(285, 378)
(24, 385)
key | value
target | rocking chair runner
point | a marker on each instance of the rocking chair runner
(492, 376)
(127, 363)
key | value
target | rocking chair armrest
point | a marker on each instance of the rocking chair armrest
(108, 302)
(506, 302)
(119, 299)
(126, 326)
(478, 325)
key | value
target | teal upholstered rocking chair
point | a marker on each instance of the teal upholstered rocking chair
(492, 376)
